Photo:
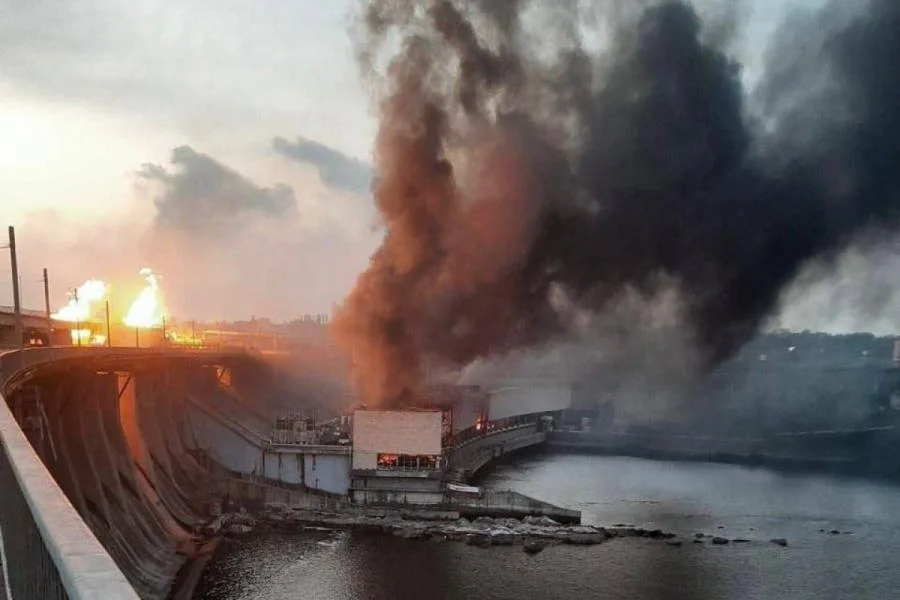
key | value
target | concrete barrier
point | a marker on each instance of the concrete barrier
(49, 551)
(113, 461)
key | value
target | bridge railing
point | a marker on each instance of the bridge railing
(47, 550)
(488, 428)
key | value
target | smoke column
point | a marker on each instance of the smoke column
(518, 171)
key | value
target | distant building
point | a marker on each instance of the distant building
(397, 456)
(392, 441)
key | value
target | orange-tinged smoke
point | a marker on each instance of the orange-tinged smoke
(147, 310)
(81, 302)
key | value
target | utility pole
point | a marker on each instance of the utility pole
(77, 319)
(47, 308)
(17, 306)
(108, 333)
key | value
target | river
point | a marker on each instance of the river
(686, 498)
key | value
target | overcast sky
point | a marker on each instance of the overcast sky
(118, 118)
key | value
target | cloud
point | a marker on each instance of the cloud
(230, 246)
(335, 168)
(227, 243)
(203, 195)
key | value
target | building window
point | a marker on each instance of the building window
(407, 462)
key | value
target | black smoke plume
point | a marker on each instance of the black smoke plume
(517, 171)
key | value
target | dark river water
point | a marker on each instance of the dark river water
(727, 500)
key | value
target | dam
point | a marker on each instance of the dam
(115, 461)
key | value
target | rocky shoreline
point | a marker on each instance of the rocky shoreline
(533, 534)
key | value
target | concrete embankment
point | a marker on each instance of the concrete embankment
(253, 495)
(508, 504)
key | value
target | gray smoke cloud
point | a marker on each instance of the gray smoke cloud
(515, 163)
(335, 168)
(201, 195)
(858, 291)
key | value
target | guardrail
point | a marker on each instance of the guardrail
(17, 366)
(473, 448)
(489, 428)
(47, 549)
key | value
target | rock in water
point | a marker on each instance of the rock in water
(720, 541)
(534, 546)
(779, 541)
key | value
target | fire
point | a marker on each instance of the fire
(80, 306)
(87, 337)
(146, 311)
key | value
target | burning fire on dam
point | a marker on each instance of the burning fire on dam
(90, 303)
(147, 310)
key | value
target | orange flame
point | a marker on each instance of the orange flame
(80, 305)
(88, 337)
(146, 311)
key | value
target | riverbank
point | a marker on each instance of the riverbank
(533, 534)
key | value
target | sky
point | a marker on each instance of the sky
(92, 93)
(120, 122)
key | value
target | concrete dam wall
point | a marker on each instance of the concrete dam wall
(130, 445)
(110, 441)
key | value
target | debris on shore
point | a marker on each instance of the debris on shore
(532, 533)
